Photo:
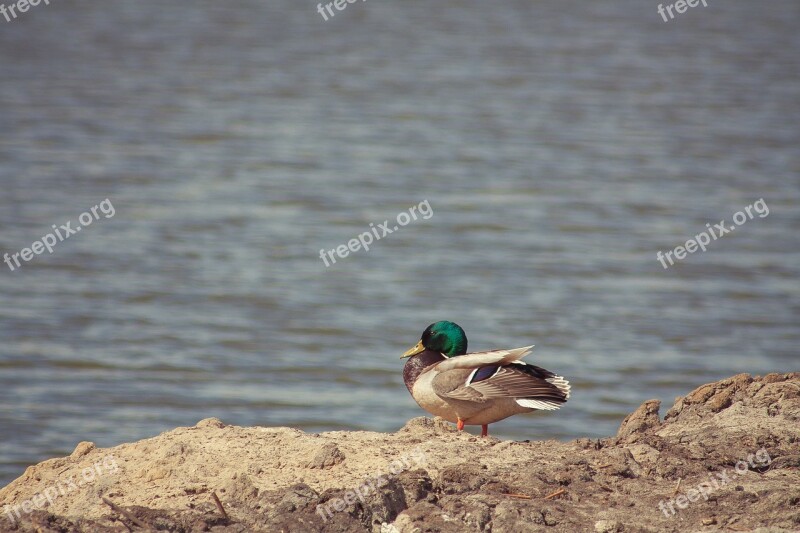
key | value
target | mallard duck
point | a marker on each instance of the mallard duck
(477, 388)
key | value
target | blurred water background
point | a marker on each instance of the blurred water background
(560, 144)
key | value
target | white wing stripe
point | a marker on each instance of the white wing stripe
(539, 404)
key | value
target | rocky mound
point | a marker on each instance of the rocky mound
(725, 457)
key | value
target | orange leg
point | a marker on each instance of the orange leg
(460, 425)
(485, 430)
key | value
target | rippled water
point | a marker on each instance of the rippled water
(559, 144)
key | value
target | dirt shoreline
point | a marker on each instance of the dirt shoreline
(726, 457)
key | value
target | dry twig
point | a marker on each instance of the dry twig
(678, 486)
(559, 492)
(116, 508)
(219, 505)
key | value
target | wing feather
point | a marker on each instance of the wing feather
(478, 359)
(530, 385)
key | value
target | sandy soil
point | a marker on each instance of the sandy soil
(726, 457)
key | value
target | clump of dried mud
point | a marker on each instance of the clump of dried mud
(726, 457)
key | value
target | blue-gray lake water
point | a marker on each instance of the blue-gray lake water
(560, 145)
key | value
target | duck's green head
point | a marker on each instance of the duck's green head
(443, 337)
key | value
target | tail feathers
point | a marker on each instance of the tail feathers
(556, 381)
(561, 384)
(546, 402)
